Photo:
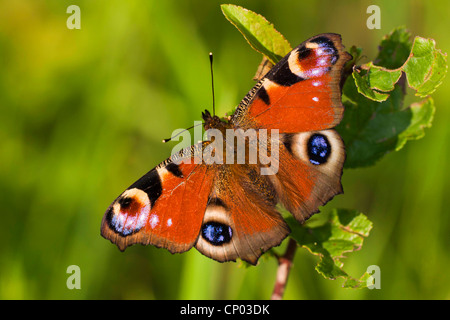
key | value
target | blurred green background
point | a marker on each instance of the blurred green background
(83, 113)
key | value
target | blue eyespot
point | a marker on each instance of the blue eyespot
(319, 149)
(216, 233)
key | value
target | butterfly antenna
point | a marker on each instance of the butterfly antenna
(212, 83)
(167, 140)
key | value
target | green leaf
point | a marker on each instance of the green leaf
(342, 233)
(370, 128)
(259, 33)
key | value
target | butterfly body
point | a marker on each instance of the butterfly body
(218, 198)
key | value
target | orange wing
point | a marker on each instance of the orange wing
(301, 92)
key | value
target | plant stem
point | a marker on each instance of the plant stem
(284, 266)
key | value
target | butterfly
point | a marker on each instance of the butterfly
(229, 211)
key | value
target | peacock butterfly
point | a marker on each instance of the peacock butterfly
(228, 210)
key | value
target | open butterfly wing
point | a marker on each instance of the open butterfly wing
(301, 92)
(164, 208)
(241, 220)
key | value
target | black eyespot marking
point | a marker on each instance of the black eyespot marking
(125, 202)
(319, 149)
(150, 184)
(174, 169)
(216, 233)
(262, 93)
